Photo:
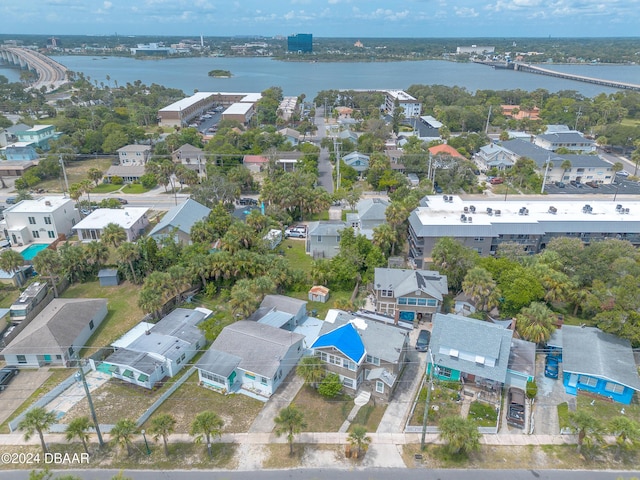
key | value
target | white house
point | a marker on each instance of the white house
(130, 155)
(132, 219)
(252, 358)
(59, 332)
(41, 220)
(148, 353)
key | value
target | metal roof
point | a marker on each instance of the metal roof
(182, 217)
(218, 362)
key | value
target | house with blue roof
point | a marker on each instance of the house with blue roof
(20, 151)
(178, 221)
(599, 363)
(367, 355)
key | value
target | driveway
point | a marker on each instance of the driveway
(21, 388)
(550, 394)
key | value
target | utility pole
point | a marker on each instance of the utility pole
(64, 172)
(428, 399)
(96, 425)
(546, 171)
(336, 148)
(486, 127)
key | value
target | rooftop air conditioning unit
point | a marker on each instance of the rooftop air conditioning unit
(472, 209)
(553, 210)
(463, 218)
(498, 213)
(47, 203)
(469, 219)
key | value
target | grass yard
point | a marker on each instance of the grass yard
(605, 411)
(57, 375)
(322, 308)
(322, 415)
(8, 295)
(563, 415)
(442, 404)
(369, 416)
(106, 188)
(76, 172)
(294, 251)
(237, 411)
(134, 188)
(483, 414)
(123, 311)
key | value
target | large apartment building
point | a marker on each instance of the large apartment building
(484, 225)
(411, 106)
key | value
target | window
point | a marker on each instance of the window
(386, 293)
(587, 381)
(58, 357)
(402, 301)
(22, 359)
(478, 239)
(443, 372)
(432, 302)
(47, 220)
(71, 351)
(614, 387)
(347, 382)
(412, 301)
(263, 380)
(51, 234)
(213, 377)
(335, 360)
(250, 375)
(91, 325)
(422, 301)
(349, 364)
(373, 360)
(32, 220)
(319, 239)
(379, 386)
(35, 234)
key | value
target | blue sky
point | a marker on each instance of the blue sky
(326, 18)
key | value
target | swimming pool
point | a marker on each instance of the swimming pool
(32, 250)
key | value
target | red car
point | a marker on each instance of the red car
(496, 181)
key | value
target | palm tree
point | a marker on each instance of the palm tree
(48, 261)
(162, 426)
(243, 301)
(588, 428)
(461, 435)
(114, 234)
(565, 165)
(122, 432)
(97, 253)
(359, 439)
(535, 322)
(289, 422)
(11, 261)
(206, 425)
(79, 428)
(128, 252)
(385, 237)
(37, 420)
(626, 431)
(479, 285)
(312, 370)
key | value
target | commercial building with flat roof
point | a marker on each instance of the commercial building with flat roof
(181, 112)
(484, 225)
(411, 106)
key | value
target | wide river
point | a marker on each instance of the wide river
(258, 74)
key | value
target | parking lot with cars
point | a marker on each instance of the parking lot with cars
(621, 186)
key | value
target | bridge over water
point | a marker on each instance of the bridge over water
(524, 67)
(50, 73)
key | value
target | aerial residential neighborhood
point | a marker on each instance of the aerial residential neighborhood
(367, 278)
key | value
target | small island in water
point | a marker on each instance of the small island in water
(220, 74)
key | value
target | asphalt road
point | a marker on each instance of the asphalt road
(322, 474)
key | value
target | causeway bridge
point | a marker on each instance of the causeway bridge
(524, 67)
(50, 73)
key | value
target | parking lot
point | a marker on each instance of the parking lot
(622, 187)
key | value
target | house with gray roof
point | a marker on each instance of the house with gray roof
(193, 158)
(358, 161)
(598, 363)
(148, 353)
(495, 156)
(323, 238)
(469, 350)
(251, 358)
(571, 140)
(370, 212)
(177, 222)
(584, 168)
(367, 355)
(411, 295)
(57, 333)
(280, 311)
(522, 364)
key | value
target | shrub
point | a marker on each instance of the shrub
(116, 180)
(330, 386)
(148, 180)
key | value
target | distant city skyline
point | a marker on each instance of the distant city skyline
(325, 18)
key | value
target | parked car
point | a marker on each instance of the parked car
(6, 375)
(438, 189)
(551, 367)
(247, 201)
(11, 200)
(496, 181)
(296, 232)
(560, 184)
(123, 201)
(424, 337)
(515, 408)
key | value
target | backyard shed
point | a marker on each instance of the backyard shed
(318, 293)
(108, 277)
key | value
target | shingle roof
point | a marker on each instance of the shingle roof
(405, 281)
(56, 327)
(539, 155)
(283, 303)
(445, 149)
(590, 351)
(261, 347)
(182, 217)
(471, 346)
(331, 227)
(218, 362)
(372, 209)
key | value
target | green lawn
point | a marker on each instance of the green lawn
(76, 172)
(134, 188)
(321, 308)
(369, 416)
(442, 404)
(483, 414)
(106, 188)
(123, 311)
(294, 251)
(605, 411)
(563, 415)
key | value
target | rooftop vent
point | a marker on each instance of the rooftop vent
(47, 203)
(466, 209)
(523, 211)
(469, 219)
(472, 209)
(497, 212)
(553, 210)
(587, 209)
(619, 207)
(463, 218)
(445, 198)
(489, 211)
